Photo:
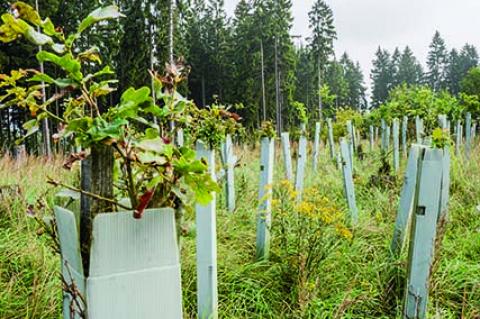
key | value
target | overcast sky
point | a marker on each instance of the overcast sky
(363, 25)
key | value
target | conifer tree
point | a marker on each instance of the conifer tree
(381, 76)
(437, 63)
(409, 69)
(321, 24)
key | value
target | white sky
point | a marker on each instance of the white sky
(363, 25)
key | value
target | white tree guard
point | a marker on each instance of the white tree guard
(468, 134)
(72, 267)
(180, 138)
(287, 156)
(423, 233)
(316, 146)
(264, 216)
(404, 135)
(134, 267)
(331, 141)
(205, 217)
(229, 162)
(396, 145)
(348, 181)
(301, 164)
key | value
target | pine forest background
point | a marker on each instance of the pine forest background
(225, 56)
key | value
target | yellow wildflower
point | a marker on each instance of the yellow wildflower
(344, 232)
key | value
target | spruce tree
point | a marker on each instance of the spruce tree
(354, 79)
(437, 63)
(381, 76)
(321, 24)
(396, 56)
(409, 69)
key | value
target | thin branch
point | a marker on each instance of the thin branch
(95, 196)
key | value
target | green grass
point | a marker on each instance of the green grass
(357, 279)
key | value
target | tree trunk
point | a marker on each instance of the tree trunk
(97, 178)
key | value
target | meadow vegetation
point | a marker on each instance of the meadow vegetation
(319, 266)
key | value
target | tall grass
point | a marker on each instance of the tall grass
(357, 279)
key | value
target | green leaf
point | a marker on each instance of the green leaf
(12, 28)
(102, 88)
(110, 12)
(105, 71)
(80, 124)
(154, 181)
(184, 166)
(67, 62)
(132, 100)
(152, 145)
(103, 130)
(31, 126)
(151, 133)
(135, 97)
(61, 83)
(49, 28)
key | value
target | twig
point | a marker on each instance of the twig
(95, 196)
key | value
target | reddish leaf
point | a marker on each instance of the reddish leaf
(144, 200)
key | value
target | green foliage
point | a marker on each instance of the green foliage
(267, 129)
(150, 163)
(328, 99)
(420, 101)
(300, 111)
(214, 123)
(342, 116)
(303, 245)
(470, 84)
(440, 138)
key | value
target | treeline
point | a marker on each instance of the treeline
(250, 60)
(445, 69)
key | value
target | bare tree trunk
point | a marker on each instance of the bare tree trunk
(97, 178)
(264, 101)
